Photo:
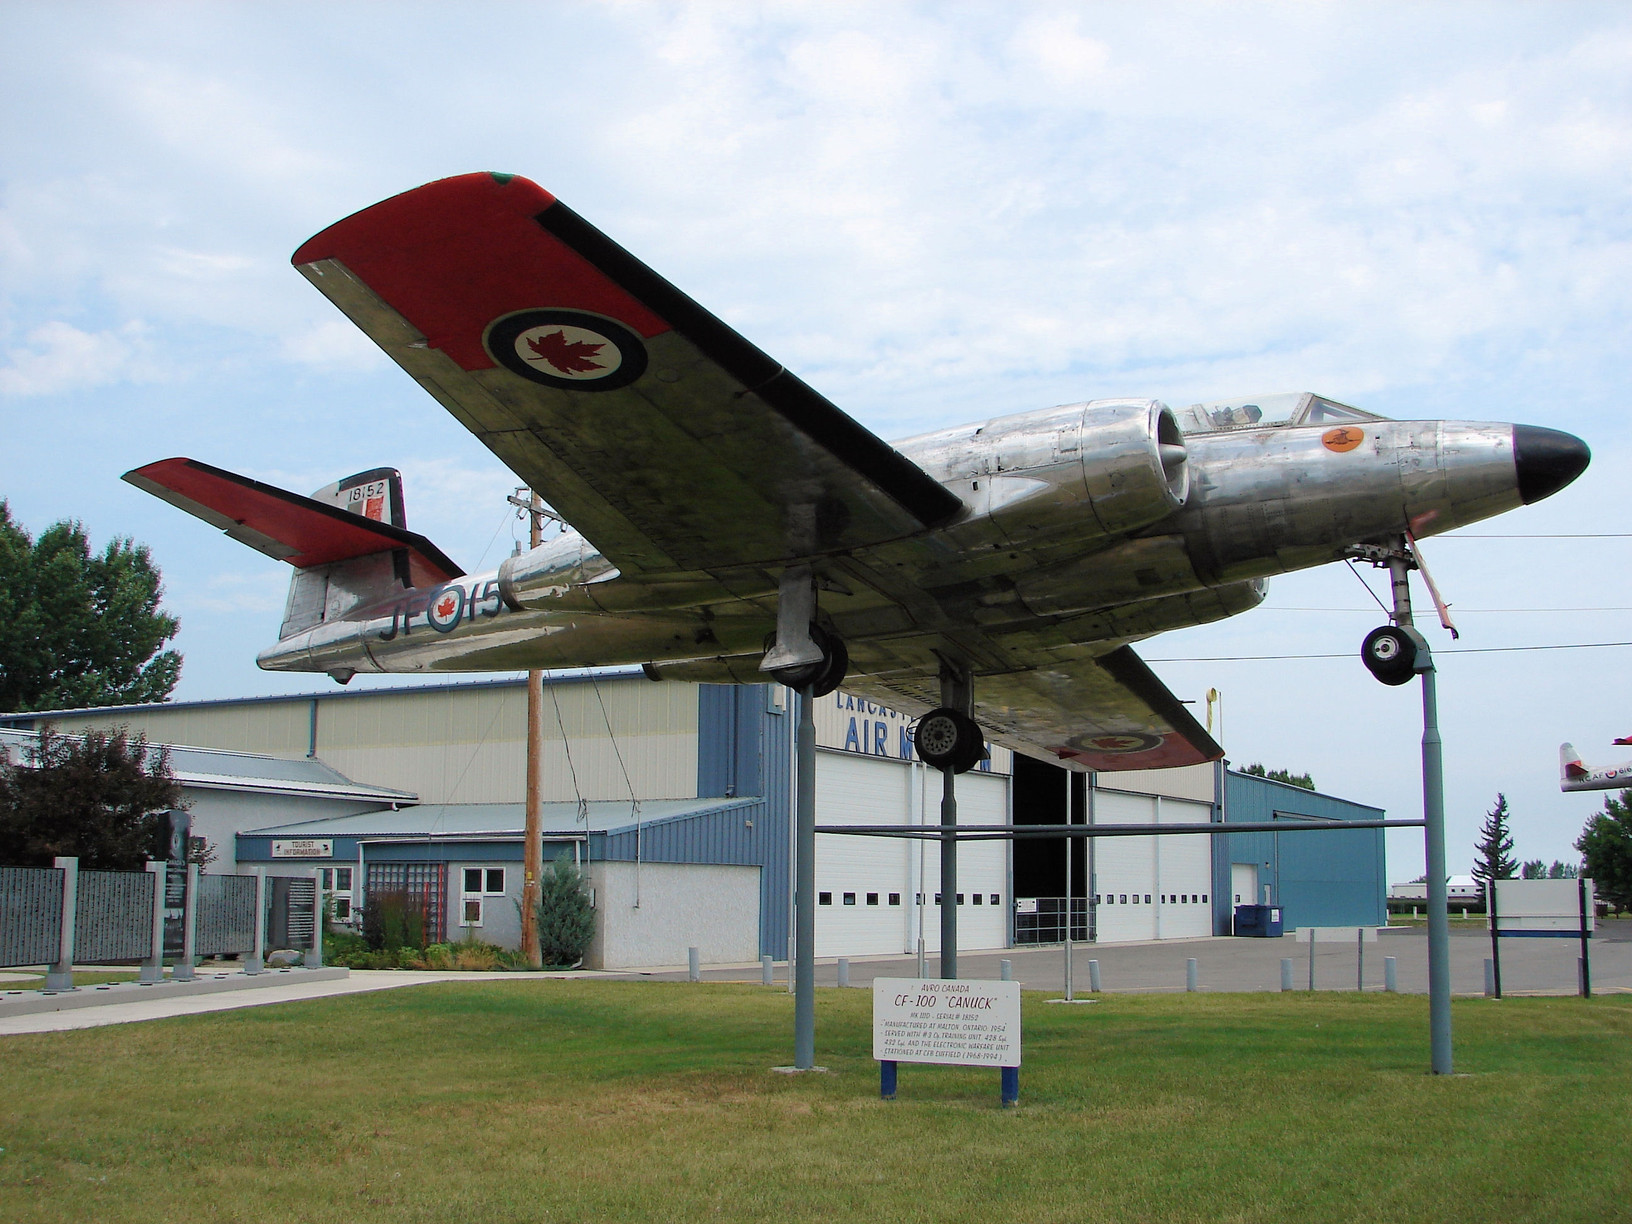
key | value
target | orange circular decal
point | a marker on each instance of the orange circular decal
(1343, 438)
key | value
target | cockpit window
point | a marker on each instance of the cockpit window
(1264, 411)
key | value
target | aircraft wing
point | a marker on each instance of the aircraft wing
(668, 440)
(1108, 713)
(284, 525)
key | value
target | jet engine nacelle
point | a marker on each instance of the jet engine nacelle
(1082, 471)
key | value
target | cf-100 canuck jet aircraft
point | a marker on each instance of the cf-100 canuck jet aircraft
(1573, 774)
(729, 524)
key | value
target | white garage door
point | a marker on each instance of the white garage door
(868, 887)
(1151, 887)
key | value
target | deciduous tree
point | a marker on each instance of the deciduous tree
(98, 797)
(1606, 851)
(76, 628)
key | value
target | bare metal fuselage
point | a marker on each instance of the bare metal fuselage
(1092, 523)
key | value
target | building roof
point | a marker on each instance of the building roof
(504, 820)
(253, 772)
(30, 720)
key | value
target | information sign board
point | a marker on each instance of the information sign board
(303, 847)
(1543, 907)
(931, 1020)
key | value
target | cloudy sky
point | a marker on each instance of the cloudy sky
(932, 212)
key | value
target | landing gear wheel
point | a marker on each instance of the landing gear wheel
(822, 677)
(948, 738)
(1390, 654)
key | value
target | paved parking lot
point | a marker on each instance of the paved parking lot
(1529, 966)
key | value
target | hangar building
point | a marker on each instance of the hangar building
(676, 799)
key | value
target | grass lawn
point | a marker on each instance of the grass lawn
(592, 1101)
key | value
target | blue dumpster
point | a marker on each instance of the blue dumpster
(1260, 921)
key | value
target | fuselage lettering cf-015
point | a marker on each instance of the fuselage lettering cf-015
(440, 608)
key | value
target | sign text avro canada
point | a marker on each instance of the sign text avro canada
(967, 1023)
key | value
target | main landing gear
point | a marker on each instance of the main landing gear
(949, 739)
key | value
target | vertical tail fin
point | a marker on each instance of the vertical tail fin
(1570, 765)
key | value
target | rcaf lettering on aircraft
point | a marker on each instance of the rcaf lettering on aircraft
(729, 524)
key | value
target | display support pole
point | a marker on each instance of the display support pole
(1068, 899)
(1495, 936)
(1439, 924)
(804, 889)
(949, 875)
(1433, 832)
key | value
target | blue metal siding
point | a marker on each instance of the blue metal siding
(1318, 879)
(730, 739)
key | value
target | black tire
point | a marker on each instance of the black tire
(949, 738)
(822, 677)
(1390, 655)
(835, 662)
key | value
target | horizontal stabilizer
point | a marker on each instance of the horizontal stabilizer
(286, 526)
(1570, 762)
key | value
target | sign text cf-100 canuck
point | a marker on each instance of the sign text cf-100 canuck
(929, 1020)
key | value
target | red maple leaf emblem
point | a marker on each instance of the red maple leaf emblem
(445, 606)
(567, 356)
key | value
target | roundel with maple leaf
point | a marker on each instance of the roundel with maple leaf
(569, 349)
(1125, 741)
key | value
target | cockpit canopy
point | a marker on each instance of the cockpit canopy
(1263, 411)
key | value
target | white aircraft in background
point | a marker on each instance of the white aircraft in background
(1573, 775)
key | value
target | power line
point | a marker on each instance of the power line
(1583, 535)
(1459, 609)
(1437, 653)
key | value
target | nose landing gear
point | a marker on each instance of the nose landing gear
(1390, 653)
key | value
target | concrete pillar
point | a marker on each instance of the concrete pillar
(1286, 973)
(61, 975)
(153, 966)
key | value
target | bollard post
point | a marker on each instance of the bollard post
(1391, 980)
(153, 965)
(61, 975)
(1360, 959)
(183, 969)
(1286, 973)
(1311, 958)
(1005, 970)
(1093, 976)
(694, 965)
(1490, 978)
(767, 971)
(1011, 1087)
(886, 1079)
(315, 961)
(257, 957)
(1190, 975)
(844, 971)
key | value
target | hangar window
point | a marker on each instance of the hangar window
(960, 898)
(979, 898)
(895, 898)
(824, 898)
(494, 884)
(1147, 898)
(937, 898)
(1204, 898)
(872, 898)
(1124, 900)
(849, 898)
(994, 899)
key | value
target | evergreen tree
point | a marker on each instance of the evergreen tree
(1495, 846)
(1563, 871)
(1606, 851)
(1533, 869)
(98, 797)
(76, 628)
(565, 920)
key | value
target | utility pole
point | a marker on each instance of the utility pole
(532, 838)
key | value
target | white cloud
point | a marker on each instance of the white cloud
(58, 357)
(334, 344)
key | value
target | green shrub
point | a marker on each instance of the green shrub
(393, 920)
(566, 923)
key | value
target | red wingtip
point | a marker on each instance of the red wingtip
(477, 199)
(1624, 740)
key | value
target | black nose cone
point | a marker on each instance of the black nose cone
(1547, 460)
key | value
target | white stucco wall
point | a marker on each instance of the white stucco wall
(681, 905)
